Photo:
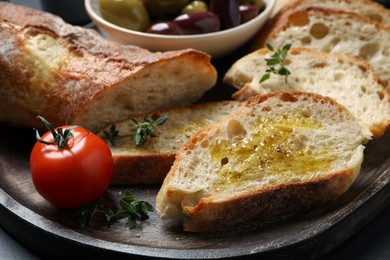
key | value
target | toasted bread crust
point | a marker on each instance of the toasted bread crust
(87, 77)
(260, 207)
(212, 210)
(141, 169)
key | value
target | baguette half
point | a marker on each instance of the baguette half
(150, 163)
(282, 154)
(351, 81)
(70, 74)
(335, 31)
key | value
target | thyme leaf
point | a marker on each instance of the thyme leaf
(147, 128)
(112, 135)
(130, 208)
(276, 63)
(86, 213)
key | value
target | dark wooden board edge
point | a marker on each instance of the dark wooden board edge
(59, 243)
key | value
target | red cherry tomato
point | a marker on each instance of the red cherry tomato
(73, 175)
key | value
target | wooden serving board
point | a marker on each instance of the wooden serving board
(53, 232)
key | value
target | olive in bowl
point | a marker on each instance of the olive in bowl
(163, 31)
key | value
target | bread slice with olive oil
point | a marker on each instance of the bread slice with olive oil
(150, 162)
(335, 31)
(350, 81)
(282, 154)
(69, 74)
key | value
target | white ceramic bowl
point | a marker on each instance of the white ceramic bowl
(216, 44)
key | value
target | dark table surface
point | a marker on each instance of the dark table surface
(371, 242)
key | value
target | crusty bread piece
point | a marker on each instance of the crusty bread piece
(370, 9)
(281, 154)
(349, 80)
(334, 31)
(149, 163)
(69, 74)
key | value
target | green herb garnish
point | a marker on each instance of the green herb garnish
(276, 62)
(112, 135)
(86, 213)
(130, 208)
(147, 128)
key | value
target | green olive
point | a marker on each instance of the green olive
(162, 8)
(195, 7)
(130, 14)
(258, 3)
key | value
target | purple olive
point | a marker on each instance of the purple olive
(196, 23)
(228, 12)
(248, 12)
(166, 28)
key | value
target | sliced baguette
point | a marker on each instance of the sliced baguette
(349, 80)
(335, 31)
(281, 154)
(149, 163)
(69, 74)
(370, 9)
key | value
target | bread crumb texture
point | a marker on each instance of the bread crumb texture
(45, 53)
(70, 74)
(281, 142)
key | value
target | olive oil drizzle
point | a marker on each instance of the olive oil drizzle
(276, 150)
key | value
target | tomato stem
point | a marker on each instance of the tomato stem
(60, 136)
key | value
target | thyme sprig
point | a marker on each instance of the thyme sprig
(143, 130)
(276, 63)
(147, 128)
(130, 208)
